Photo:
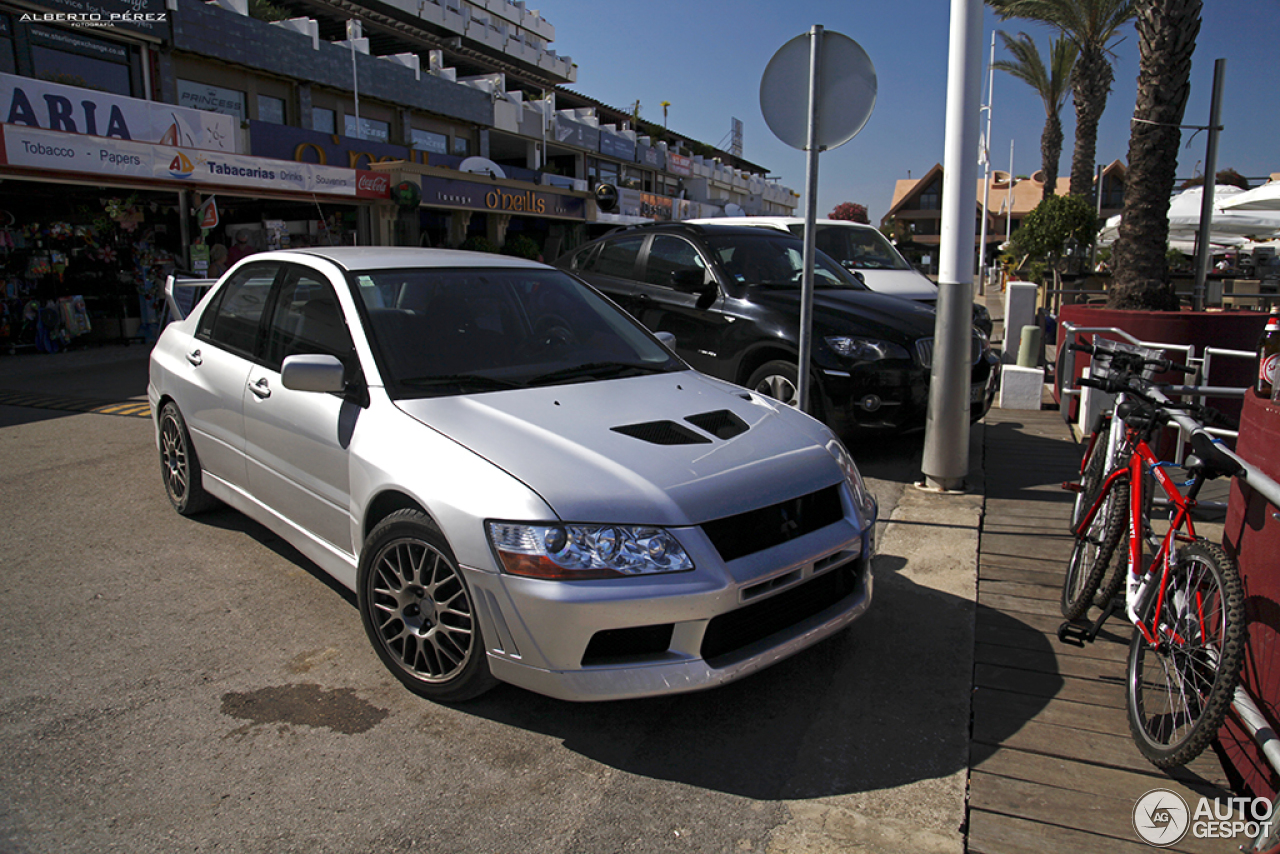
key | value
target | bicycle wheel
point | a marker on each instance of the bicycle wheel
(1179, 689)
(1093, 550)
(1092, 472)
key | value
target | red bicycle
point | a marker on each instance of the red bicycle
(1182, 593)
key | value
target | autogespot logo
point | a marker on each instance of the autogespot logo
(1161, 817)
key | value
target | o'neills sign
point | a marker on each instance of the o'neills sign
(470, 195)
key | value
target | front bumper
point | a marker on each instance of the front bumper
(896, 398)
(644, 637)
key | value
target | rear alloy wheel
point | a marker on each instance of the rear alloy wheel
(781, 381)
(418, 612)
(179, 466)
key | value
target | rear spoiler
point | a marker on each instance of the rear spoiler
(181, 296)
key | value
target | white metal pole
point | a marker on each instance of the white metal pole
(946, 448)
(985, 155)
(810, 217)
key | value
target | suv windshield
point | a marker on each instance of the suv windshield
(856, 248)
(457, 331)
(775, 261)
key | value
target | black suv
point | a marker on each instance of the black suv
(731, 297)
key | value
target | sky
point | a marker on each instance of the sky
(706, 57)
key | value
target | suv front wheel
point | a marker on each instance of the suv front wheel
(781, 381)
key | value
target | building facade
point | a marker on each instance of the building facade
(138, 141)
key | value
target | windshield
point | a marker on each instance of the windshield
(856, 248)
(459, 331)
(775, 260)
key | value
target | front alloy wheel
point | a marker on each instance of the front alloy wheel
(417, 610)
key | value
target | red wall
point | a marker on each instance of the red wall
(1252, 536)
(1231, 330)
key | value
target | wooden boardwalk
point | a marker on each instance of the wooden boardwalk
(1052, 764)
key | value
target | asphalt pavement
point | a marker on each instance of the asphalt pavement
(170, 684)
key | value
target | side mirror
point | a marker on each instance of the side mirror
(314, 373)
(667, 338)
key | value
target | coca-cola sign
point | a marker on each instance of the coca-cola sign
(372, 185)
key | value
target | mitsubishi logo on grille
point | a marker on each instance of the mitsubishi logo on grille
(789, 524)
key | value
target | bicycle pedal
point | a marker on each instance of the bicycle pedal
(1070, 633)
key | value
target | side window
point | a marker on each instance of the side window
(674, 262)
(581, 259)
(617, 258)
(306, 319)
(233, 320)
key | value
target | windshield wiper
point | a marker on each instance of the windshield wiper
(596, 370)
(461, 380)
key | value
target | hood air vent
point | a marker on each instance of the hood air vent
(662, 433)
(722, 423)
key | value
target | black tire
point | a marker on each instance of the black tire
(1094, 549)
(1178, 691)
(1091, 473)
(419, 613)
(179, 465)
(780, 380)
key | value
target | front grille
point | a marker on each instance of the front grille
(977, 346)
(728, 633)
(757, 530)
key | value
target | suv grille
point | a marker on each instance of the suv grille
(977, 346)
(757, 530)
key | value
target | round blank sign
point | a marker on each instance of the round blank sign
(846, 91)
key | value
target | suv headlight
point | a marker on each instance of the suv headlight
(572, 552)
(862, 497)
(866, 349)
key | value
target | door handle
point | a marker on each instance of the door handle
(195, 358)
(261, 389)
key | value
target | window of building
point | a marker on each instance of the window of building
(461, 146)
(271, 109)
(601, 172)
(324, 120)
(77, 60)
(425, 140)
(371, 129)
(214, 99)
(931, 197)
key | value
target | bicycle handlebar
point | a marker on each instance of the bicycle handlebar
(1124, 360)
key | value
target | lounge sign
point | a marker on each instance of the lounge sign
(51, 151)
(470, 195)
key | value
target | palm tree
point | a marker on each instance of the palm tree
(664, 105)
(1167, 31)
(1051, 84)
(1092, 26)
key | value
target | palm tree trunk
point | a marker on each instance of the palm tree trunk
(1089, 89)
(1050, 150)
(1167, 31)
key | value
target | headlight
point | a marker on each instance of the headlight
(571, 552)
(862, 496)
(866, 349)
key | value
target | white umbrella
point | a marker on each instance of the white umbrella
(1184, 218)
(1264, 198)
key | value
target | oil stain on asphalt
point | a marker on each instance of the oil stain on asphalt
(305, 704)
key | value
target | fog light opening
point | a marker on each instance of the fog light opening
(870, 403)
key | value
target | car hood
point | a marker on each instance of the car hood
(840, 311)
(622, 450)
(908, 284)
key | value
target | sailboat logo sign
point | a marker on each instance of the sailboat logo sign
(181, 166)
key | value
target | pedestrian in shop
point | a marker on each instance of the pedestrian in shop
(217, 260)
(241, 249)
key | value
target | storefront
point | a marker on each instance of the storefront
(91, 225)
